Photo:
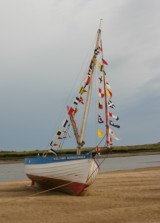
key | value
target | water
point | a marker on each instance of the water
(11, 172)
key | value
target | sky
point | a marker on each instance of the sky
(43, 44)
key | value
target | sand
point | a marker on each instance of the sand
(116, 197)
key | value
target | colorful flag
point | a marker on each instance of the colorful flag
(110, 104)
(100, 79)
(81, 100)
(109, 93)
(89, 71)
(59, 133)
(113, 116)
(64, 123)
(76, 101)
(100, 120)
(108, 85)
(99, 133)
(70, 111)
(96, 51)
(51, 143)
(104, 62)
(100, 66)
(82, 90)
(113, 134)
(55, 144)
(112, 124)
(100, 105)
(101, 93)
(88, 79)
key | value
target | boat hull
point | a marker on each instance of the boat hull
(69, 174)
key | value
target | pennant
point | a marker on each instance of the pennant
(101, 93)
(88, 79)
(100, 105)
(58, 133)
(109, 93)
(55, 144)
(59, 137)
(99, 133)
(96, 51)
(100, 66)
(113, 134)
(76, 101)
(112, 124)
(104, 62)
(113, 116)
(70, 111)
(89, 71)
(110, 104)
(81, 100)
(108, 85)
(100, 79)
(51, 143)
(64, 123)
(91, 64)
(100, 120)
(82, 90)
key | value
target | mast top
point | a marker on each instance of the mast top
(100, 24)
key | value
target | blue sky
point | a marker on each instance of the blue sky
(43, 45)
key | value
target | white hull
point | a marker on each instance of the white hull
(82, 172)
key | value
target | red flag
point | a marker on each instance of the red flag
(104, 62)
(70, 111)
(100, 105)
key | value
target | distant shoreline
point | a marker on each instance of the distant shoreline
(13, 161)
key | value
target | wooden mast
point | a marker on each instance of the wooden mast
(84, 121)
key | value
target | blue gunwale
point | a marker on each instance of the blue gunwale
(54, 159)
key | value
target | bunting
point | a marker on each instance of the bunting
(110, 104)
(82, 90)
(64, 123)
(113, 134)
(70, 111)
(101, 93)
(109, 93)
(108, 85)
(104, 62)
(100, 120)
(100, 105)
(112, 124)
(99, 133)
(100, 79)
(113, 116)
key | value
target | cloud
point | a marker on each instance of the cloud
(43, 45)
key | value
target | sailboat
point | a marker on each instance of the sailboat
(73, 173)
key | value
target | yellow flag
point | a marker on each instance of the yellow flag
(99, 133)
(109, 93)
(99, 65)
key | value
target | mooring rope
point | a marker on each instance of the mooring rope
(54, 188)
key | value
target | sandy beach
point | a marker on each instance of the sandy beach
(122, 196)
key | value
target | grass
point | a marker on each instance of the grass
(16, 155)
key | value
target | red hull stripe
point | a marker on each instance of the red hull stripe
(72, 188)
